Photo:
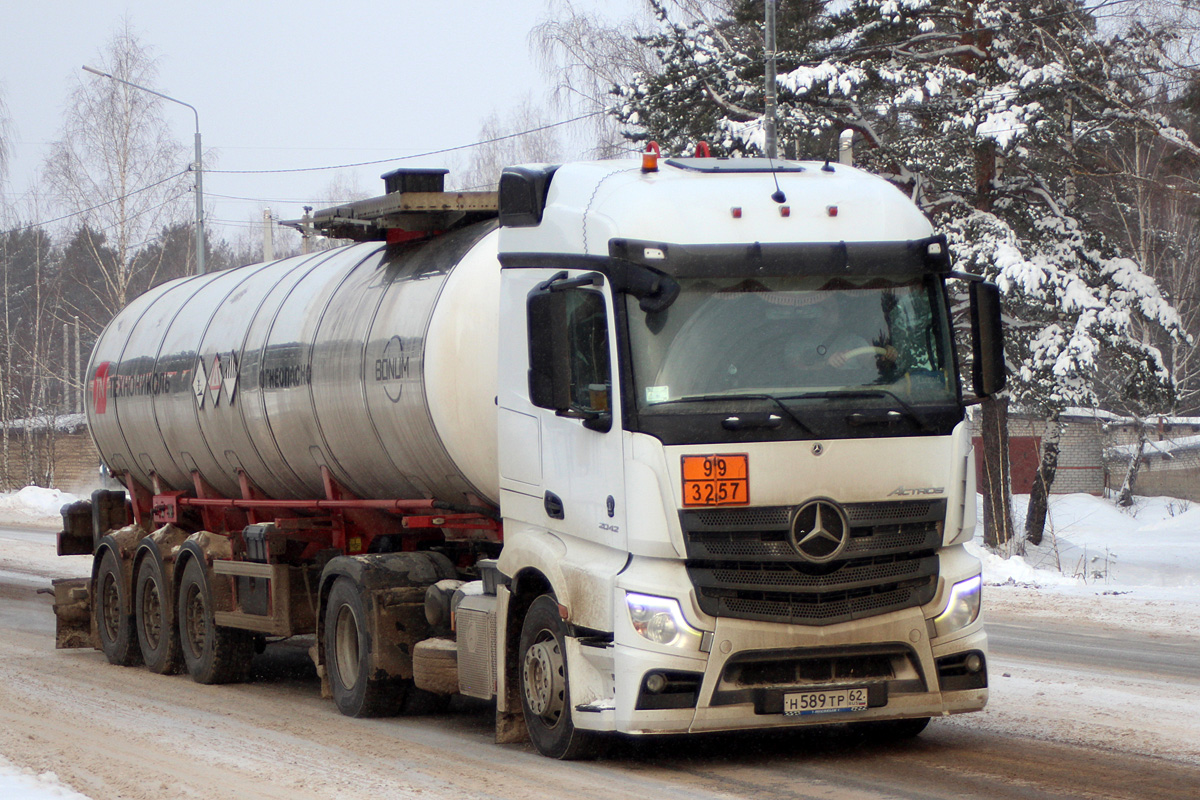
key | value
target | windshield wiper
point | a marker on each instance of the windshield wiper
(830, 394)
(734, 423)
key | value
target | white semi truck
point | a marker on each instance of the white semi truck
(630, 447)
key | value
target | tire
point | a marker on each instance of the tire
(114, 615)
(157, 632)
(545, 686)
(348, 658)
(211, 654)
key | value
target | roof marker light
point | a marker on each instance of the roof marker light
(736, 212)
(831, 210)
(650, 157)
(785, 211)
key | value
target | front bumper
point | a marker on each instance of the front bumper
(740, 685)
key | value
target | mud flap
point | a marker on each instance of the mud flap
(76, 625)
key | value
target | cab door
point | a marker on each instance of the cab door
(572, 408)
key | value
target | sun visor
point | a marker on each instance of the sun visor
(920, 256)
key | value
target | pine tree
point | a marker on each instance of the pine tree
(989, 113)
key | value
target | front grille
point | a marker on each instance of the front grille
(743, 565)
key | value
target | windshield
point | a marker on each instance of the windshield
(791, 337)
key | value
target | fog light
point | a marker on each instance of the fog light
(973, 663)
(655, 682)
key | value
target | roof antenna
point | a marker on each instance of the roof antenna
(769, 110)
(778, 196)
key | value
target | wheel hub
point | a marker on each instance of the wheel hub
(543, 680)
(111, 607)
(346, 647)
(196, 621)
(151, 613)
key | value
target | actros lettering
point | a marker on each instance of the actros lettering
(900, 491)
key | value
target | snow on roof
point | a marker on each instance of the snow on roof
(63, 423)
(1100, 415)
(1167, 448)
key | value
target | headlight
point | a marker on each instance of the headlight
(963, 608)
(660, 620)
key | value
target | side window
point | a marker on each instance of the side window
(587, 338)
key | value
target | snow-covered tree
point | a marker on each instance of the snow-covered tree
(989, 113)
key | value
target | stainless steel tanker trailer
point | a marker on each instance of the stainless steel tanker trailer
(630, 447)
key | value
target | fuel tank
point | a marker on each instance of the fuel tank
(376, 361)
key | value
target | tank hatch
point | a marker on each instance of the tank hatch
(416, 206)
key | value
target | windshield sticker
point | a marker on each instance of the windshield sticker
(658, 394)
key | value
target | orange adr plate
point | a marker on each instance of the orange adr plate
(716, 480)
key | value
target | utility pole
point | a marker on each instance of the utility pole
(66, 370)
(78, 373)
(771, 87)
(268, 236)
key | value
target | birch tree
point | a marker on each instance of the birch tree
(118, 167)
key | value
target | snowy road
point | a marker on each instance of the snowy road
(1077, 711)
(1175, 658)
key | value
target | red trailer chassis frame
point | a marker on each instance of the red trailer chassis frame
(340, 520)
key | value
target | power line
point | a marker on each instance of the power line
(415, 155)
(44, 223)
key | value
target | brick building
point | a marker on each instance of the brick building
(1094, 453)
(56, 452)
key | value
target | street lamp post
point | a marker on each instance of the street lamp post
(199, 162)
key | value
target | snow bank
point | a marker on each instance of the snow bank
(1102, 564)
(27, 785)
(34, 506)
(1094, 542)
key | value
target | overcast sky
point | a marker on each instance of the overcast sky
(281, 85)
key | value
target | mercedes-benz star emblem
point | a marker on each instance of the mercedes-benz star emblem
(820, 531)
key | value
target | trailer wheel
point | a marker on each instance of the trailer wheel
(114, 616)
(157, 634)
(348, 658)
(211, 654)
(545, 686)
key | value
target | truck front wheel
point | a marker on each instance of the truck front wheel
(114, 620)
(348, 658)
(545, 686)
(212, 654)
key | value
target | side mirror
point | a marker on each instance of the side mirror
(549, 354)
(568, 351)
(987, 339)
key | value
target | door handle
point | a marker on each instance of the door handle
(554, 506)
